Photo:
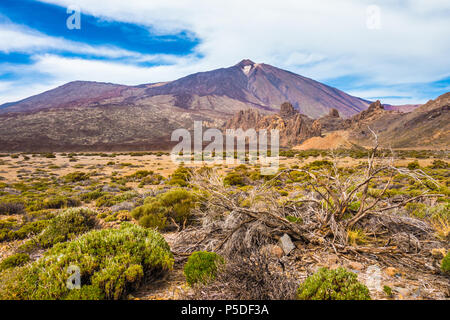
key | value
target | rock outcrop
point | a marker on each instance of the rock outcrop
(333, 122)
(427, 126)
(294, 127)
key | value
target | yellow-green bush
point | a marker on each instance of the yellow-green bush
(59, 202)
(67, 226)
(76, 176)
(176, 204)
(327, 284)
(413, 165)
(234, 179)
(15, 260)
(11, 207)
(445, 266)
(11, 232)
(180, 177)
(112, 263)
(202, 267)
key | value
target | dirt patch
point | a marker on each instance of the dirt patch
(332, 140)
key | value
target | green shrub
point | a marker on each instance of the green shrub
(13, 261)
(49, 156)
(112, 263)
(156, 221)
(234, 179)
(148, 178)
(67, 226)
(416, 209)
(59, 202)
(298, 176)
(202, 267)
(445, 266)
(327, 284)
(388, 291)
(354, 206)
(11, 207)
(93, 195)
(28, 229)
(177, 182)
(107, 200)
(138, 175)
(440, 211)
(413, 165)
(180, 177)
(176, 204)
(76, 176)
(154, 179)
(319, 164)
(439, 164)
(294, 219)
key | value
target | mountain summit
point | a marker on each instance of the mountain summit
(245, 62)
(218, 93)
(84, 115)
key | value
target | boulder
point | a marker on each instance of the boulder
(286, 244)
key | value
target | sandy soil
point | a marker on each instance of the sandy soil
(11, 169)
(332, 140)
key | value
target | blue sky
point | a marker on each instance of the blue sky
(396, 51)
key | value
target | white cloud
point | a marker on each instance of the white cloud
(320, 40)
(103, 71)
(15, 38)
(14, 91)
(60, 70)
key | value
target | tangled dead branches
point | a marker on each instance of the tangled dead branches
(238, 223)
(252, 278)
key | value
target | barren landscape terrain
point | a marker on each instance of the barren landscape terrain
(396, 250)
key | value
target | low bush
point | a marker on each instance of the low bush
(439, 164)
(106, 200)
(111, 262)
(13, 261)
(416, 209)
(180, 177)
(356, 236)
(138, 175)
(11, 207)
(413, 165)
(202, 267)
(319, 164)
(76, 176)
(67, 226)
(445, 266)
(388, 291)
(93, 195)
(26, 230)
(176, 205)
(60, 202)
(234, 179)
(327, 284)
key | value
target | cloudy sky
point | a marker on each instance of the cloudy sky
(394, 50)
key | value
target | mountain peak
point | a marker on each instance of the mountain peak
(245, 63)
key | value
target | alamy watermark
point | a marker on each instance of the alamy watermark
(374, 278)
(73, 22)
(241, 146)
(373, 19)
(74, 281)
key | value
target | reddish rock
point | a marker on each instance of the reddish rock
(294, 127)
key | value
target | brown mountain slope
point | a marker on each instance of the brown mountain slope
(262, 86)
(102, 128)
(427, 127)
(221, 92)
(73, 94)
(102, 116)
